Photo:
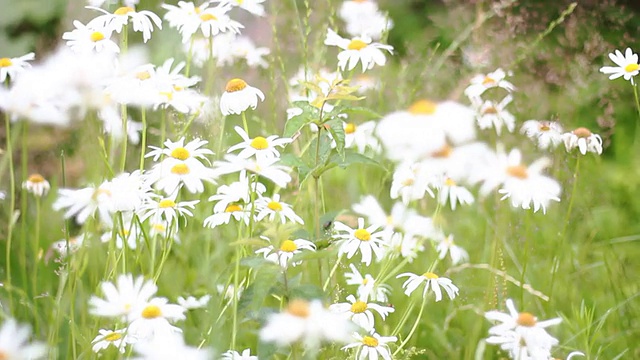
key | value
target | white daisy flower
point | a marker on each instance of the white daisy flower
(83, 203)
(116, 338)
(129, 232)
(367, 240)
(123, 297)
(37, 185)
(584, 140)
(130, 3)
(14, 342)
(361, 137)
(367, 286)
(253, 6)
(359, 311)
(169, 346)
(371, 346)
(237, 211)
(410, 183)
(60, 246)
(480, 83)
(172, 174)
(288, 248)
(627, 65)
(268, 168)
(142, 21)
(547, 134)
(306, 322)
(450, 192)
(238, 192)
(238, 97)
(12, 67)
(447, 245)
(366, 23)
(129, 191)
(359, 49)
(90, 38)
(495, 115)
(166, 210)
(215, 20)
(260, 147)
(432, 281)
(272, 207)
(234, 355)
(407, 245)
(191, 302)
(153, 318)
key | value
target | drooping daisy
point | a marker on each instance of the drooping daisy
(116, 338)
(367, 286)
(154, 318)
(286, 251)
(480, 83)
(12, 67)
(142, 21)
(238, 97)
(407, 245)
(37, 185)
(446, 245)
(191, 302)
(628, 66)
(449, 191)
(359, 311)
(129, 191)
(260, 147)
(272, 207)
(90, 38)
(495, 115)
(583, 139)
(368, 240)
(547, 134)
(234, 355)
(122, 297)
(371, 346)
(14, 342)
(359, 49)
(432, 281)
(83, 203)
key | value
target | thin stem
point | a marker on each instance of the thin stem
(123, 107)
(189, 57)
(331, 273)
(637, 132)
(244, 122)
(414, 327)
(12, 205)
(236, 275)
(143, 144)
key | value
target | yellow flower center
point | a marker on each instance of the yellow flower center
(490, 110)
(362, 235)
(235, 85)
(275, 206)
(180, 169)
(544, 127)
(151, 312)
(518, 171)
(350, 128)
(177, 88)
(35, 178)
(582, 132)
(430, 275)
(358, 307)
(123, 10)
(444, 152)
(488, 80)
(208, 17)
(631, 67)
(233, 208)
(143, 75)
(408, 182)
(99, 192)
(112, 336)
(423, 107)
(169, 95)
(299, 308)
(166, 203)
(259, 143)
(370, 341)
(159, 227)
(5, 62)
(356, 45)
(450, 182)
(180, 153)
(288, 246)
(96, 36)
(526, 319)
(365, 281)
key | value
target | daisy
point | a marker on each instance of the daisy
(584, 140)
(83, 203)
(481, 83)
(142, 21)
(547, 134)
(213, 21)
(166, 209)
(627, 65)
(60, 246)
(192, 151)
(90, 38)
(129, 232)
(410, 183)
(359, 311)
(169, 346)
(238, 97)
(14, 342)
(432, 281)
(37, 185)
(234, 355)
(260, 147)
(12, 67)
(407, 245)
(238, 192)
(129, 191)
(191, 302)
(123, 297)
(253, 6)
(447, 245)
(237, 211)
(153, 318)
(494, 115)
(449, 191)
(307, 322)
(116, 338)
(172, 174)
(367, 240)
(272, 207)
(516, 345)
(359, 49)
(288, 248)
(373, 23)
(367, 286)
(371, 346)
(361, 137)
(268, 168)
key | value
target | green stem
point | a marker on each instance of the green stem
(12, 205)
(244, 122)
(236, 276)
(143, 145)
(189, 56)
(413, 328)
(123, 108)
(331, 273)
(637, 132)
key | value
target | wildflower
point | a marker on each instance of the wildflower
(171, 174)
(359, 311)
(432, 281)
(142, 21)
(364, 18)
(169, 346)
(237, 211)
(409, 183)
(123, 297)
(83, 203)
(63, 248)
(190, 152)
(153, 318)
(37, 185)
(288, 248)
(359, 49)
(547, 134)
(447, 245)
(253, 6)
(361, 137)
(234, 355)
(238, 97)
(367, 240)
(481, 83)
(272, 207)
(14, 342)
(401, 218)
(192, 303)
(90, 38)
(129, 191)
(584, 140)
(213, 21)
(308, 322)
(407, 245)
(628, 66)
(128, 232)
(367, 286)
(12, 67)
(238, 192)
(268, 168)
(491, 114)
(188, 18)
(371, 346)
(166, 209)
(116, 338)
(450, 191)
(260, 147)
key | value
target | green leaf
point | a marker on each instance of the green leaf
(293, 125)
(366, 112)
(306, 291)
(266, 350)
(254, 295)
(353, 157)
(337, 131)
